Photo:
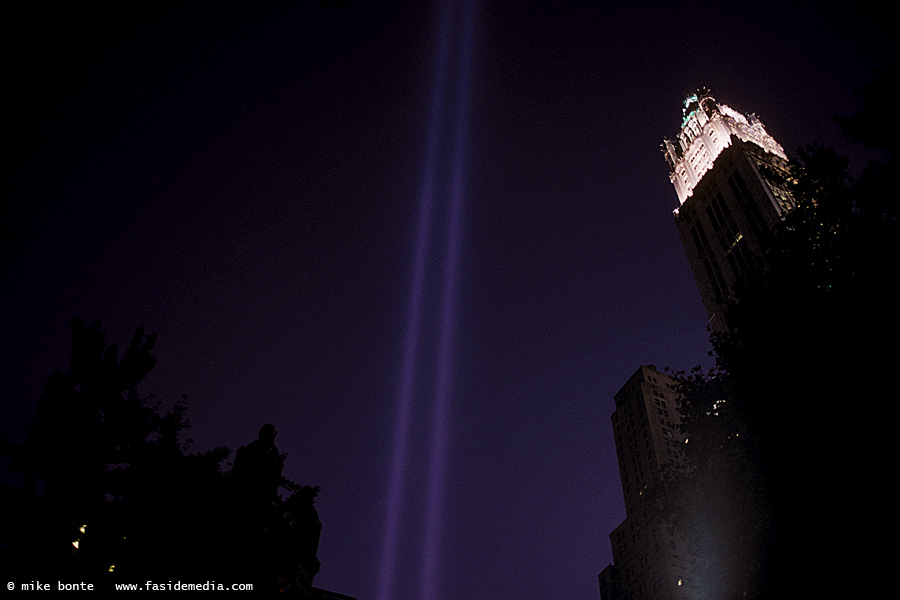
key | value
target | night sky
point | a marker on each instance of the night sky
(245, 181)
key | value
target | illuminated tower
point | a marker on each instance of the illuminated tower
(650, 560)
(727, 173)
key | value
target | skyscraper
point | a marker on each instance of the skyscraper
(650, 561)
(727, 173)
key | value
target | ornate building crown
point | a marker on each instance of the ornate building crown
(706, 130)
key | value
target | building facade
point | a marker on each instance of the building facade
(650, 560)
(728, 175)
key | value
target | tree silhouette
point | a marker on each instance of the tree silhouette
(112, 494)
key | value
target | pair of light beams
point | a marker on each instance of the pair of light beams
(441, 198)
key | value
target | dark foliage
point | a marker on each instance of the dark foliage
(788, 437)
(721, 503)
(112, 494)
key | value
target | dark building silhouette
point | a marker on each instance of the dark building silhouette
(650, 561)
(319, 594)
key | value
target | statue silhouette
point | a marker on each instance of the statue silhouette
(277, 540)
(305, 527)
(258, 466)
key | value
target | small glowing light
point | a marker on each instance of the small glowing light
(680, 582)
(112, 568)
(82, 528)
(75, 544)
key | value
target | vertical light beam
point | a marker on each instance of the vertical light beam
(435, 168)
(414, 319)
(443, 383)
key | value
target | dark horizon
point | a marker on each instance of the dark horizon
(244, 182)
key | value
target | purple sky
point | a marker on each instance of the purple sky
(245, 182)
